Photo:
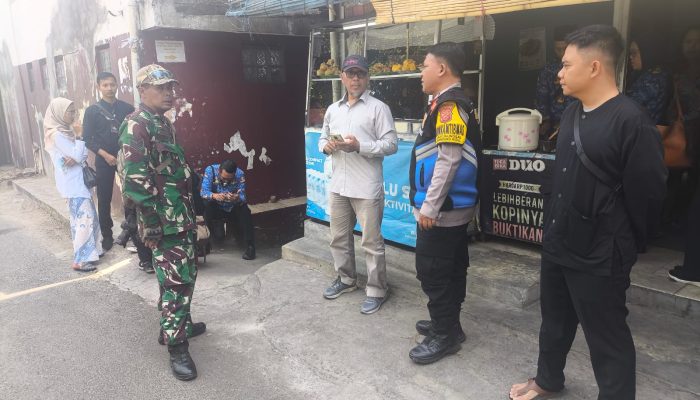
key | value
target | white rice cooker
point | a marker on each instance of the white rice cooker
(518, 131)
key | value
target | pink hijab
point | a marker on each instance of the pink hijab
(54, 122)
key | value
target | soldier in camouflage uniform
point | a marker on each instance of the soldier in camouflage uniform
(158, 182)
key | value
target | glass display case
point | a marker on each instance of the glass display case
(395, 54)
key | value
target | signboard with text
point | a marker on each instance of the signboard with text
(511, 183)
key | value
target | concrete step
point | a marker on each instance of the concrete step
(494, 274)
(652, 288)
(508, 272)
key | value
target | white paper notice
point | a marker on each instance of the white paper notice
(170, 51)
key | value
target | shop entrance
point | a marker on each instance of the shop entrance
(663, 66)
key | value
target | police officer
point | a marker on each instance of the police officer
(444, 196)
(158, 181)
(550, 100)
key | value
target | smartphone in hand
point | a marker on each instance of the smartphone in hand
(335, 137)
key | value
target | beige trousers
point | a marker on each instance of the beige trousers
(345, 212)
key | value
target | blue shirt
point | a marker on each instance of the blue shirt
(212, 183)
(652, 90)
(549, 97)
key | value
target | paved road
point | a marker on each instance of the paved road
(88, 339)
(270, 333)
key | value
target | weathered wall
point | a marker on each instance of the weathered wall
(268, 117)
(215, 102)
(30, 32)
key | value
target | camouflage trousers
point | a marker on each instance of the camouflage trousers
(175, 267)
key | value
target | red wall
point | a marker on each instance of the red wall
(267, 115)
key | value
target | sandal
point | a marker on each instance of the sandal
(84, 267)
(530, 391)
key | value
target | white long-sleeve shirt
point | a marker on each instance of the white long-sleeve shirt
(360, 174)
(69, 180)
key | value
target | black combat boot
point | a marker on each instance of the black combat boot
(434, 348)
(425, 327)
(181, 363)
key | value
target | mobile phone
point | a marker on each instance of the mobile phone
(335, 137)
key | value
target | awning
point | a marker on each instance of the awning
(402, 11)
(278, 8)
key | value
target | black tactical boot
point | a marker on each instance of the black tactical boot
(425, 327)
(434, 348)
(181, 363)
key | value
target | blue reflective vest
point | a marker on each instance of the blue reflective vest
(463, 191)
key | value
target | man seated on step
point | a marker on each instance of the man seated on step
(223, 192)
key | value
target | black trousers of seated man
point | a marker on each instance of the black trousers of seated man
(442, 258)
(569, 297)
(145, 253)
(105, 186)
(239, 214)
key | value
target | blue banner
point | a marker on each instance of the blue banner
(398, 225)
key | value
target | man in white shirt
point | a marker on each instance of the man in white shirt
(358, 131)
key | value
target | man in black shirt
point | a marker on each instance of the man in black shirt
(101, 133)
(606, 195)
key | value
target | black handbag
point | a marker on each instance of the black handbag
(89, 176)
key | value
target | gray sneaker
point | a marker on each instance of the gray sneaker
(337, 288)
(372, 304)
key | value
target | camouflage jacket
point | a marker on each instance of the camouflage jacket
(155, 175)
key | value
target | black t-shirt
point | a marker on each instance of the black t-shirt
(101, 127)
(588, 226)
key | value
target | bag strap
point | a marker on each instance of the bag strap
(594, 169)
(677, 96)
(105, 113)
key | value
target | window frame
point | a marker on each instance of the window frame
(255, 72)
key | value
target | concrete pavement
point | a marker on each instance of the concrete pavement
(270, 328)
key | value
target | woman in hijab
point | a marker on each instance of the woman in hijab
(68, 155)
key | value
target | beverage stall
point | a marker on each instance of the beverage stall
(505, 53)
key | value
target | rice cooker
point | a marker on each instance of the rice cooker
(519, 129)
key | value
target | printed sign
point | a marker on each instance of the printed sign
(170, 51)
(511, 194)
(398, 224)
(532, 49)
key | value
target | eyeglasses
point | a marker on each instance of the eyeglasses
(356, 73)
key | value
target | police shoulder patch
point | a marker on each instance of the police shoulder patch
(451, 124)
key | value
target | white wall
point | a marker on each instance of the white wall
(58, 26)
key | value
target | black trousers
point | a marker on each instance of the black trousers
(442, 258)
(569, 297)
(105, 185)
(691, 261)
(239, 214)
(144, 253)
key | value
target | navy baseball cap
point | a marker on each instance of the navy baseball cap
(355, 61)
